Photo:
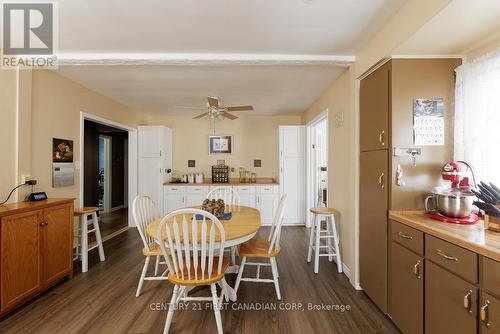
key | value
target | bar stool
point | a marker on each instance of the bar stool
(82, 248)
(330, 233)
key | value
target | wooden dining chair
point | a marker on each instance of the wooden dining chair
(192, 242)
(231, 200)
(265, 249)
(145, 211)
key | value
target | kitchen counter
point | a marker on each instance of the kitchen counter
(264, 182)
(472, 237)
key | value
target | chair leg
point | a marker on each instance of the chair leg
(143, 274)
(337, 245)
(311, 236)
(240, 273)
(157, 264)
(84, 243)
(98, 236)
(329, 231)
(233, 255)
(171, 309)
(275, 277)
(217, 308)
(316, 246)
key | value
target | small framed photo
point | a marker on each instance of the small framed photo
(220, 144)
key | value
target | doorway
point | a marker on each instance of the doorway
(317, 163)
(106, 173)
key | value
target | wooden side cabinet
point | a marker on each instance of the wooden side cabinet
(406, 292)
(36, 244)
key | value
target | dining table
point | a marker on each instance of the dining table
(241, 227)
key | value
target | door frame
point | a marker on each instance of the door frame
(132, 157)
(310, 172)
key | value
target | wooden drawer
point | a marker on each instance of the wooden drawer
(245, 189)
(175, 190)
(454, 258)
(197, 190)
(409, 237)
(490, 274)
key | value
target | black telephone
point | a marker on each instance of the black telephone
(38, 196)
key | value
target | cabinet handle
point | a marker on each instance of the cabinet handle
(405, 236)
(416, 269)
(447, 257)
(467, 301)
(44, 223)
(381, 138)
(483, 314)
(381, 180)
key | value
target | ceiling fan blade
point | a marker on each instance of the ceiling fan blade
(230, 116)
(239, 108)
(190, 108)
(213, 102)
(201, 116)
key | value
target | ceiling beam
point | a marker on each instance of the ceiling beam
(202, 59)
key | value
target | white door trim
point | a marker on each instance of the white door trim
(310, 172)
(132, 157)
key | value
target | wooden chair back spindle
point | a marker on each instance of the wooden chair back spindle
(189, 244)
(144, 211)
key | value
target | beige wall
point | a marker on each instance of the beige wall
(337, 100)
(8, 145)
(255, 137)
(50, 106)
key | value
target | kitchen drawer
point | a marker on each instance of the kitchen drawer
(197, 189)
(490, 274)
(409, 237)
(175, 189)
(268, 189)
(454, 258)
(250, 189)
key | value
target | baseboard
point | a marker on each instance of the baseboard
(116, 208)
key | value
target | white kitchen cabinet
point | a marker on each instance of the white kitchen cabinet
(267, 202)
(155, 161)
(292, 173)
(195, 195)
(174, 198)
(247, 195)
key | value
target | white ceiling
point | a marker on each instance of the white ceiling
(281, 29)
(456, 29)
(272, 90)
(218, 26)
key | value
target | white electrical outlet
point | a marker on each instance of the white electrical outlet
(26, 177)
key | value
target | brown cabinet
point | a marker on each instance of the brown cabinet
(36, 244)
(489, 314)
(450, 302)
(406, 294)
(373, 226)
(374, 108)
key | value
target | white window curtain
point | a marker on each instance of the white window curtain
(477, 116)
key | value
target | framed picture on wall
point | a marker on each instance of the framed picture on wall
(220, 144)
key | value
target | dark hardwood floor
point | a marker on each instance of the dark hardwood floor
(103, 299)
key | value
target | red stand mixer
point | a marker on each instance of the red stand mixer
(454, 204)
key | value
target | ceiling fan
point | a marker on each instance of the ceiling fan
(217, 112)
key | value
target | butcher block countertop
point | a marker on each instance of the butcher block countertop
(232, 182)
(472, 237)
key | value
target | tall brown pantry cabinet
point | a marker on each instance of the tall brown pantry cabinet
(386, 123)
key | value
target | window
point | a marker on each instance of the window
(477, 116)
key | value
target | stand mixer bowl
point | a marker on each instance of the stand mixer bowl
(455, 203)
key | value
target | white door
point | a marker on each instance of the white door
(292, 173)
(150, 179)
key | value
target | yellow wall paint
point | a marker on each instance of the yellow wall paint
(255, 137)
(56, 103)
(8, 145)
